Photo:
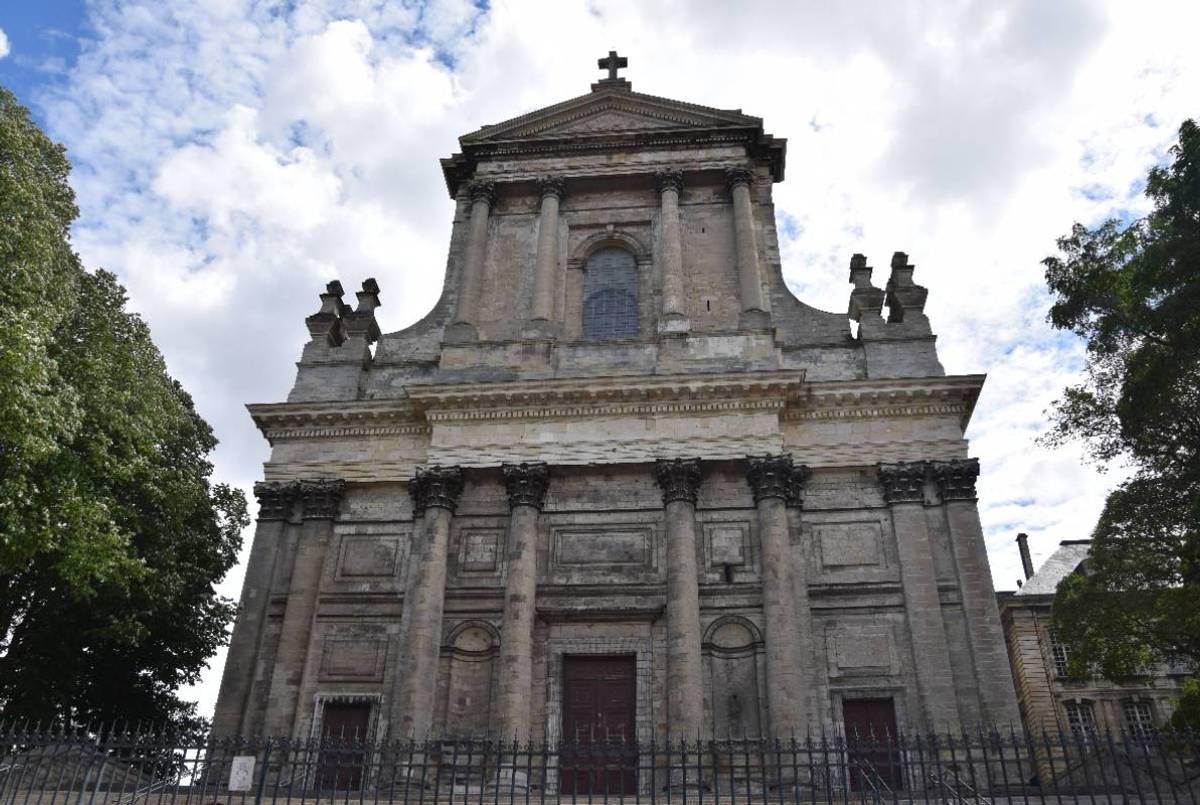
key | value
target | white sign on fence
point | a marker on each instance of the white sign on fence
(241, 773)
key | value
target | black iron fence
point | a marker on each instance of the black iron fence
(138, 767)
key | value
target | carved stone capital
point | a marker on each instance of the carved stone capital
(800, 475)
(734, 177)
(771, 477)
(668, 180)
(903, 482)
(321, 499)
(551, 186)
(482, 191)
(275, 499)
(679, 479)
(526, 484)
(956, 478)
(439, 487)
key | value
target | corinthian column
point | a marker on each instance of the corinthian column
(680, 482)
(435, 493)
(546, 264)
(754, 305)
(674, 305)
(904, 491)
(993, 674)
(526, 486)
(483, 195)
(771, 480)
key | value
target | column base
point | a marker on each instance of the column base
(461, 332)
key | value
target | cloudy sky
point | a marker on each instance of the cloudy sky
(231, 156)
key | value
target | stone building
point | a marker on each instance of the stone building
(619, 481)
(1049, 698)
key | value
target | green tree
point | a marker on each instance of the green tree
(111, 535)
(1133, 294)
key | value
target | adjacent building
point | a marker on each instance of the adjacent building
(619, 482)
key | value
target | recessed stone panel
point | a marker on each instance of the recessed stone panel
(353, 659)
(727, 544)
(368, 556)
(865, 651)
(479, 551)
(628, 546)
(847, 545)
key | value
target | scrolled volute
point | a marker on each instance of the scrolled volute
(321, 499)
(956, 478)
(904, 481)
(771, 477)
(526, 484)
(276, 498)
(436, 487)
(679, 479)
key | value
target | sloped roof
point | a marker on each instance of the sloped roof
(611, 116)
(1062, 563)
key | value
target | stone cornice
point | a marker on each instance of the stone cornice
(339, 419)
(859, 399)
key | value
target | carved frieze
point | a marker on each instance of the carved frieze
(275, 499)
(771, 476)
(439, 487)
(526, 484)
(903, 482)
(956, 479)
(321, 499)
(679, 479)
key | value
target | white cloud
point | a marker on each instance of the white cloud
(5, 48)
(231, 157)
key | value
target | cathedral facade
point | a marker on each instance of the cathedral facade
(619, 482)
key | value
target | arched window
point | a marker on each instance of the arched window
(610, 295)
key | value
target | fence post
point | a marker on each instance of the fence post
(262, 775)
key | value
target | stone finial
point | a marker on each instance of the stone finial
(771, 476)
(436, 487)
(903, 482)
(326, 323)
(275, 499)
(865, 299)
(526, 484)
(321, 499)
(668, 180)
(956, 479)
(735, 177)
(361, 322)
(903, 295)
(800, 475)
(679, 479)
(551, 186)
(482, 191)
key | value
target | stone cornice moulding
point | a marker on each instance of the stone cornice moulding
(331, 420)
(856, 399)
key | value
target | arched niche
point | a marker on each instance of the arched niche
(732, 648)
(584, 257)
(470, 653)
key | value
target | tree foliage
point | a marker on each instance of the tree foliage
(1133, 294)
(111, 534)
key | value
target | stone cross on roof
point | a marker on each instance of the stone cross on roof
(613, 63)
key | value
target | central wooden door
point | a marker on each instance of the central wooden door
(599, 726)
(871, 743)
(343, 733)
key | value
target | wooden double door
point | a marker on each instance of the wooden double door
(871, 743)
(599, 725)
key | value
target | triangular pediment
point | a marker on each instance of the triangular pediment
(610, 112)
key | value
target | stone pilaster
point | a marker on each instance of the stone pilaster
(275, 503)
(771, 480)
(755, 309)
(546, 262)
(674, 310)
(904, 491)
(679, 480)
(319, 504)
(483, 196)
(993, 672)
(816, 674)
(435, 493)
(526, 485)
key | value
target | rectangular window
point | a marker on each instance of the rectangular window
(1081, 718)
(1139, 719)
(1059, 654)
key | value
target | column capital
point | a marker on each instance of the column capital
(735, 177)
(679, 479)
(321, 499)
(669, 180)
(275, 498)
(904, 481)
(551, 186)
(800, 475)
(956, 478)
(526, 484)
(771, 476)
(482, 191)
(439, 487)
